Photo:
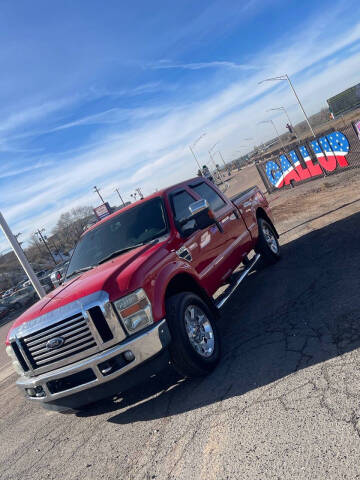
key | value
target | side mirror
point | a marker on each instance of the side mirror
(200, 217)
(201, 213)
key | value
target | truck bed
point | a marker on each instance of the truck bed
(243, 196)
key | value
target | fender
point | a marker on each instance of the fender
(162, 281)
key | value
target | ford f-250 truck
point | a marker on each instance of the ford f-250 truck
(138, 295)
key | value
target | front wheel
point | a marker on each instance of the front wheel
(195, 347)
(268, 245)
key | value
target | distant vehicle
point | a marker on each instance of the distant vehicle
(43, 276)
(58, 274)
(42, 273)
(10, 303)
(4, 310)
(8, 293)
(23, 298)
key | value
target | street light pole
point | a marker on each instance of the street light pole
(192, 146)
(302, 108)
(195, 157)
(96, 190)
(283, 109)
(39, 289)
(222, 158)
(276, 130)
(287, 78)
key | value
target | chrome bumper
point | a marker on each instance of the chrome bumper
(143, 347)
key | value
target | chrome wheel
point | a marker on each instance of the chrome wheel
(270, 239)
(199, 331)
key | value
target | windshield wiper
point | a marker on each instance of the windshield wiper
(119, 252)
(80, 270)
(126, 249)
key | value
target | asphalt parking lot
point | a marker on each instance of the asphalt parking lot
(283, 404)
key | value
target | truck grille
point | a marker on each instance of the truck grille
(73, 334)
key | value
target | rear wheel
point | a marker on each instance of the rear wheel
(195, 346)
(268, 245)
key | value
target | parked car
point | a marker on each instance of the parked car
(139, 293)
(8, 293)
(58, 273)
(4, 310)
(45, 279)
(10, 303)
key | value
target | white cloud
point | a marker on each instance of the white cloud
(167, 64)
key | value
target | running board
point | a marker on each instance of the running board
(220, 302)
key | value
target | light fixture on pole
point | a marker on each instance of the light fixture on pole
(287, 78)
(276, 130)
(283, 109)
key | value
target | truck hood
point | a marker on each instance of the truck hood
(113, 277)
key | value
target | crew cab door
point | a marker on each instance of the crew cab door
(202, 247)
(230, 245)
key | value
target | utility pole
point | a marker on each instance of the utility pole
(96, 190)
(38, 232)
(117, 190)
(22, 257)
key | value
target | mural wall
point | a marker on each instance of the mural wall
(325, 155)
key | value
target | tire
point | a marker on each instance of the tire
(268, 245)
(198, 352)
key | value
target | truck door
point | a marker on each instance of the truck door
(202, 247)
(234, 242)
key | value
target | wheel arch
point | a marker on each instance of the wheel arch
(260, 213)
(183, 282)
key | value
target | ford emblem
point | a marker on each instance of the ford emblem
(55, 343)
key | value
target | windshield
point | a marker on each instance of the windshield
(136, 226)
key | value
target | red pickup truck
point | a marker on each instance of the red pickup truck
(139, 294)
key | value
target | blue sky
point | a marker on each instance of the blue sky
(112, 93)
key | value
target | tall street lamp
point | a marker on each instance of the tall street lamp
(276, 130)
(211, 149)
(192, 146)
(286, 77)
(283, 109)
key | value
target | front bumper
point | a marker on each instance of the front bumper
(103, 374)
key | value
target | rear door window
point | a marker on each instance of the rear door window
(205, 191)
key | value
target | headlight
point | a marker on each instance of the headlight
(135, 311)
(18, 369)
